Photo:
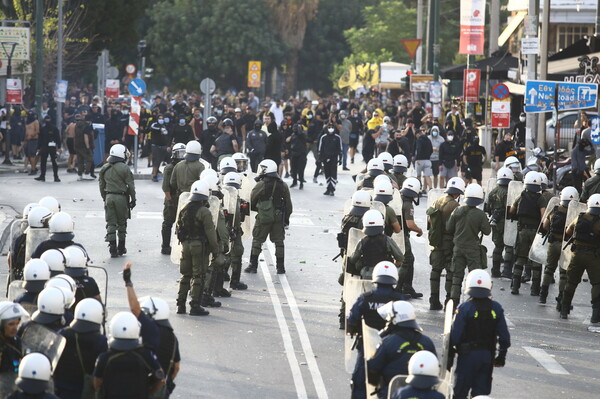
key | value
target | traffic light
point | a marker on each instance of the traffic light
(406, 80)
(148, 72)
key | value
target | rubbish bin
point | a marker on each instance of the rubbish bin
(99, 144)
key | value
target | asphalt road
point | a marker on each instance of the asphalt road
(280, 338)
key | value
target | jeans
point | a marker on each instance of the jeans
(345, 154)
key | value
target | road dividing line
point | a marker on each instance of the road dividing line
(300, 221)
(92, 214)
(304, 339)
(149, 215)
(508, 322)
(546, 360)
(285, 333)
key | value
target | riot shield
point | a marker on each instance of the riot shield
(371, 341)
(206, 164)
(230, 196)
(37, 338)
(214, 208)
(353, 287)
(575, 208)
(35, 236)
(445, 375)
(515, 188)
(17, 227)
(396, 383)
(539, 248)
(184, 198)
(245, 193)
(379, 206)
(359, 179)
(99, 274)
(347, 206)
(15, 288)
(7, 383)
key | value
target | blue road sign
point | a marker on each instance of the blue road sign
(576, 95)
(137, 87)
(539, 96)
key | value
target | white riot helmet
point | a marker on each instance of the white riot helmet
(423, 370)
(125, 331)
(10, 311)
(597, 166)
(55, 259)
(157, 309)
(28, 208)
(513, 164)
(544, 180)
(51, 305)
(361, 202)
(383, 189)
(39, 216)
(211, 180)
(474, 194)
(504, 176)
(89, 316)
(76, 261)
(568, 194)
(233, 179)
(400, 163)
(194, 149)
(227, 165)
(208, 172)
(267, 167)
(411, 187)
(455, 185)
(375, 167)
(200, 191)
(67, 283)
(241, 160)
(386, 158)
(400, 313)
(593, 204)
(479, 284)
(50, 203)
(34, 373)
(372, 222)
(119, 152)
(385, 273)
(533, 182)
(178, 151)
(35, 273)
(61, 227)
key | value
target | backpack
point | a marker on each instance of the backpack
(186, 224)
(435, 227)
(266, 209)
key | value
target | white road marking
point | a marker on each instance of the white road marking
(149, 215)
(508, 322)
(301, 221)
(285, 333)
(546, 360)
(93, 214)
(304, 339)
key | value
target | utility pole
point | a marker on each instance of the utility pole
(39, 55)
(436, 40)
(531, 24)
(419, 55)
(541, 127)
(597, 30)
(494, 26)
(429, 58)
(59, 62)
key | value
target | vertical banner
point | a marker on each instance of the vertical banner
(134, 116)
(501, 114)
(60, 91)
(472, 27)
(254, 69)
(112, 88)
(14, 91)
(471, 79)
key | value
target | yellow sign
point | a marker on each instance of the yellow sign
(254, 68)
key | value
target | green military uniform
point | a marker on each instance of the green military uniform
(371, 250)
(591, 186)
(546, 195)
(407, 270)
(586, 250)
(557, 218)
(266, 188)
(465, 224)
(441, 255)
(389, 219)
(530, 207)
(393, 179)
(236, 247)
(197, 234)
(118, 193)
(400, 179)
(517, 176)
(185, 173)
(216, 281)
(496, 207)
(169, 208)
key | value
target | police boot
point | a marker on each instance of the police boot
(121, 249)
(434, 303)
(507, 268)
(207, 297)
(181, 307)
(516, 284)
(543, 293)
(166, 242)
(535, 287)
(559, 301)
(197, 310)
(526, 274)
(496, 269)
(280, 266)
(595, 315)
(218, 289)
(235, 283)
(253, 266)
(112, 248)
(565, 307)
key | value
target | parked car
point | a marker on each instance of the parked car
(567, 128)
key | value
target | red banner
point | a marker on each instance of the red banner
(471, 79)
(501, 114)
(112, 88)
(472, 27)
(14, 91)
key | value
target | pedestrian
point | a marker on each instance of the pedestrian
(423, 151)
(357, 131)
(400, 145)
(298, 155)
(271, 200)
(504, 149)
(496, 208)
(345, 130)
(84, 144)
(70, 135)
(227, 143)
(465, 225)
(256, 145)
(208, 139)
(479, 323)
(410, 196)
(35, 373)
(450, 152)
(30, 143)
(423, 371)
(118, 193)
(474, 157)
(578, 165)
(518, 130)
(436, 141)
(17, 131)
(234, 226)
(171, 199)
(182, 132)
(330, 152)
(592, 185)
(48, 145)
(161, 141)
(371, 135)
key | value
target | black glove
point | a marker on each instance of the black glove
(127, 277)
(340, 161)
(131, 204)
(500, 360)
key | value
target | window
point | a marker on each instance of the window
(569, 34)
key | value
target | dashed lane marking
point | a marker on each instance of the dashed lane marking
(149, 215)
(546, 361)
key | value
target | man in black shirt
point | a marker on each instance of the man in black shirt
(518, 131)
(48, 144)
(474, 156)
(504, 149)
(417, 113)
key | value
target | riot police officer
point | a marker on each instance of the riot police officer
(16, 252)
(441, 241)
(10, 343)
(76, 268)
(423, 370)
(496, 207)
(384, 193)
(592, 185)
(400, 167)
(271, 199)
(374, 169)
(188, 171)
(410, 195)
(170, 203)
(478, 324)
(35, 273)
(234, 226)
(514, 165)
(118, 193)
(55, 259)
(241, 161)
(60, 227)
(51, 305)
(34, 377)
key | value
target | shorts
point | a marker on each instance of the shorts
(30, 148)
(71, 145)
(435, 167)
(475, 174)
(353, 143)
(159, 154)
(16, 137)
(448, 172)
(129, 141)
(423, 167)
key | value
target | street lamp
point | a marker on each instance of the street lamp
(9, 55)
(141, 47)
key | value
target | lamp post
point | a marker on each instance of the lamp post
(9, 55)
(140, 53)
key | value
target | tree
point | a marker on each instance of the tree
(291, 18)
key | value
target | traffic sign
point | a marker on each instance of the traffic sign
(137, 87)
(539, 96)
(254, 71)
(130, 69)
(500, 91)
(112, 72)
(207, 86)
(576, 95)
(411, 46)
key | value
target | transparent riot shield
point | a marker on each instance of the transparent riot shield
(371, 341)
(17, 227)
(575, 208)
(35, 236)
(379, 206)
(539, 248)
(396, 383)
(184, 198)
(230, 197)
(354, 286)
(214, 208)
(15, 288)
(100, 275)
(206, 164)
(448, 315)
(515, 188)
(359, 179)
(248, 184)
(37, 338)
(7, 383)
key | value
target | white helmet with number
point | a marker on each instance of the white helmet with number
(513, 164)
(35, 273)
(267, 167)
(372, 222)
(593, 204)
(400, 163)
(241, 161)
(385, 272)
(361, 202)
(125, 331)
(55, 259)
(157, 309)
(375, 167)
(10, 311)
(455, 185)
(227, 165)
(568, 194)
(411, 187)
(50, 203)
(67, 283)
(61, 226)
(400, 313)
(544, 179)
(387, 159)
(34, 374)
(89, 316)
(383, 189)
(533, 182)
(504, 176)
(200, 191)
(39, 216)
(193, 147)
(474, 194)
(28, 208)
(423, 370)
(233, 179)
(76, 261)
(479, 284)
(51, 304)
(178, 151)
